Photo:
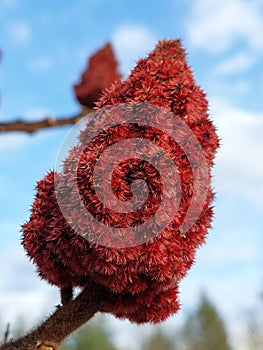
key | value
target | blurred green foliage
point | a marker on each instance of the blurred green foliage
(203, 329)
(93, 336)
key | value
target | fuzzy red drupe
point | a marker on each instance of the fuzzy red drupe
(142, 281)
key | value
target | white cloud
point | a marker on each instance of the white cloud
(19, 32)
(41, 64)
(12, 140)
(216, 25)
(244, 251)
(36, 113)
(22, 292)
(239, 165)
(131, 43)
(238, 63)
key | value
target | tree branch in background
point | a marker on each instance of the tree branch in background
(31, 127)
(101, 72)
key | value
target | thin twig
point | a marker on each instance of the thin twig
(48, 122)
(6, 335)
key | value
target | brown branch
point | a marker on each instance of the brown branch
(31, 127)
(65, 320)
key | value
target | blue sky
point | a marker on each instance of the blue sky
(45, 48)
